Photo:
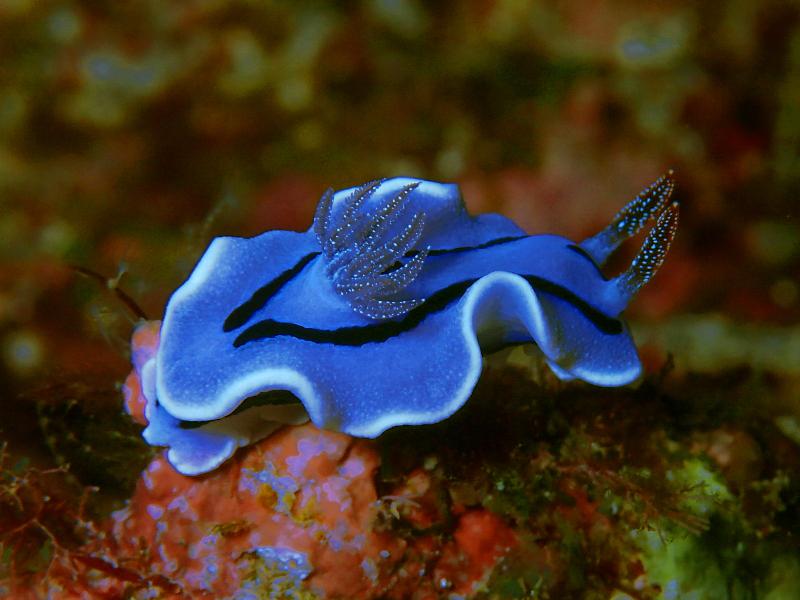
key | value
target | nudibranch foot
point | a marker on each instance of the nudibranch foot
(629, 221)
(378, 314)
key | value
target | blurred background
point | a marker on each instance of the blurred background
(131, 133)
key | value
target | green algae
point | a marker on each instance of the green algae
(620, 490)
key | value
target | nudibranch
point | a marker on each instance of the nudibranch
(377, 316)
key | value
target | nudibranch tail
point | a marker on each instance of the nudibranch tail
(367, 254)
(652, 254)
(629, 221)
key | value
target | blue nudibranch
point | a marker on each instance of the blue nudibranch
(377, 315)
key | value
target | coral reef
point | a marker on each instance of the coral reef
(303, 493)
(131, 134)
(292, 517)
(41, 520)
(541, 490)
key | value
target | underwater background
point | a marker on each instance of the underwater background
(132, 133)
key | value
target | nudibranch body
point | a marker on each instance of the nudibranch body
(377, 316)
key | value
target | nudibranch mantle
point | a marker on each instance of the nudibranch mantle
(378, 314)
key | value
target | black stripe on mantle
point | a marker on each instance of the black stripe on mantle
(245, 311)
(242, 313)
(379, 332)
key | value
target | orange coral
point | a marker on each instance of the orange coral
(294, 512)
(144, 345)
(303, 489)
(297, 513)
(480, 540)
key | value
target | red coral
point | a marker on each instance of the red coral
(144, 346)
(302, 491)
(296, 511)
(41, 522)
(480, 540)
